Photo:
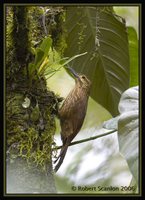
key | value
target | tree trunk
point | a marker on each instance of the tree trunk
(30, 112)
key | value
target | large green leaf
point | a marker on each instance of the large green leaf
(133, 51)
(103, 35)
(128, 129)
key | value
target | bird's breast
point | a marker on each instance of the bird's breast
(74, 103)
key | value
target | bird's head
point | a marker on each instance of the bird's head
(81, 80)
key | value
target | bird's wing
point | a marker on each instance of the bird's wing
(72, 114)
(66, 129)
(72, 123)
(78, 117)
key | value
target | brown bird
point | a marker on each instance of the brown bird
(72, 113)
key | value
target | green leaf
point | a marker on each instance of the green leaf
(61, 63)
(40, 54)
(72, 58)
(133, 51)
(39, 58)
(35, 113)
(103, 35)
(128, 130)
(46, 44)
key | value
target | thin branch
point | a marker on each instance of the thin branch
(87, 139)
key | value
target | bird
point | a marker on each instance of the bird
(72, 113)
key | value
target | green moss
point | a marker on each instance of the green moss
(36, 33)
(31, 140)
(52, 25)
(30, 126)
(58, 31)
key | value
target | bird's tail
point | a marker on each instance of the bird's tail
(61, 157)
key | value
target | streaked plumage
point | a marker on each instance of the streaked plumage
(72, 113)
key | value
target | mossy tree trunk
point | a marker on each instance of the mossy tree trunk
(30, 112)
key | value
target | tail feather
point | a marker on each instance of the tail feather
(61, 158)
(61, 152)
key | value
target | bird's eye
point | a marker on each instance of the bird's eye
(83, 77)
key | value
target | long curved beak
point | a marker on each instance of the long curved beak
(73, 72)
